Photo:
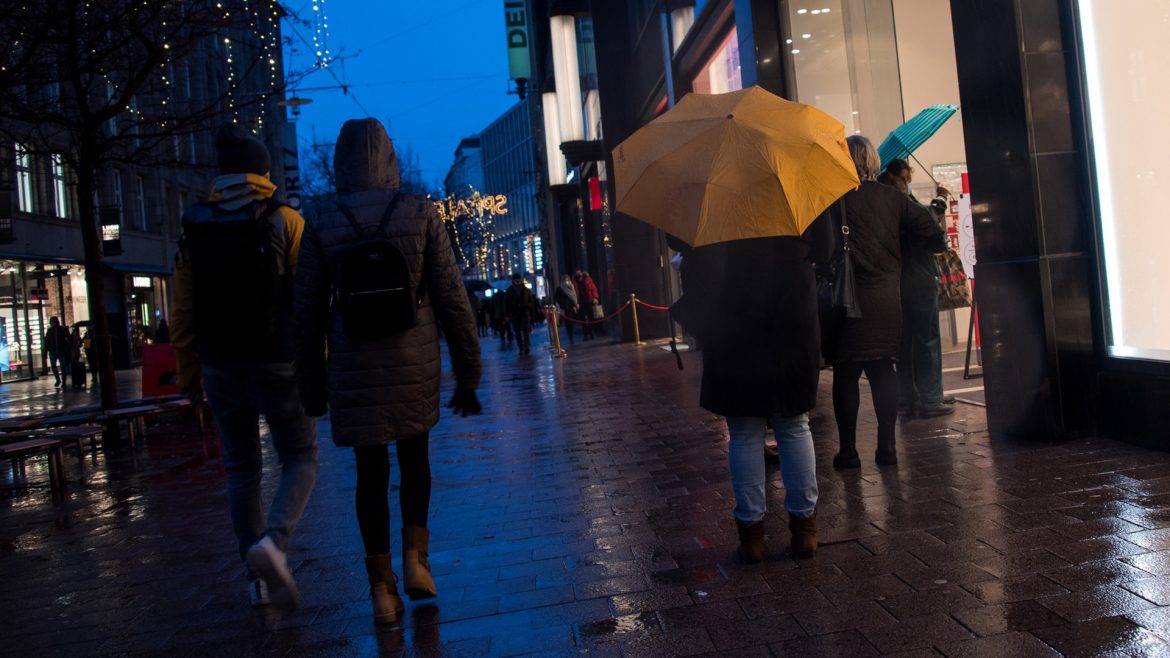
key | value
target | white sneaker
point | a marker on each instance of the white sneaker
(272, 565)
(258, 590)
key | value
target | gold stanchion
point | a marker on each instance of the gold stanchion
(634, 310)
(556, 332)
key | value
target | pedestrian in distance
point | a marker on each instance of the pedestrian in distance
(503, 327)
(920, 380)
(231, 327)
(57, 348)
(566, 298)
(76, 366)
(377, 280)
(521, 308)
(881, 219)
(162, 334)
(753, 306)
(90, 355)
(587, 298)
(482, 317)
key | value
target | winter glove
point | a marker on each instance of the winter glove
(464, 402)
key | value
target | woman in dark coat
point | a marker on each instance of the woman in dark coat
(879, 217)
(752, 304)
(384, 390)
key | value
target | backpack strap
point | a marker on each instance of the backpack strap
(357, 227)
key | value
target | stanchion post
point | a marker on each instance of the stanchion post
(548, 327)
(556, 332)
(634, 310)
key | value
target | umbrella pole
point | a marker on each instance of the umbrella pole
(928, 174)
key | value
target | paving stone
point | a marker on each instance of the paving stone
(1100, 637)
(1008, 617)
(588, 512)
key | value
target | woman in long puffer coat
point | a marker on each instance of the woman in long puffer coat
(878, 217)
(384, 390)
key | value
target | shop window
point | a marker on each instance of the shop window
(140, 192)
(116, 189)
(721, 73)
(843, 56)
(1128, 92)
(24, 179)
(60, 197)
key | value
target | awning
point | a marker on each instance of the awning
(137, 268)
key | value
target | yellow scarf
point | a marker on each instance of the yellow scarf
(233, 191)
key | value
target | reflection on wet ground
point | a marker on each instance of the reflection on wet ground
(588, 513)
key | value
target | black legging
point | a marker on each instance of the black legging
(883, 383)
(373, 483)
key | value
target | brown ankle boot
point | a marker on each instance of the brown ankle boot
(416, 570)
(383, 589)
(751, 541)
(804, 535)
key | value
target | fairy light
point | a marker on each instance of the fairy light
(321, 34)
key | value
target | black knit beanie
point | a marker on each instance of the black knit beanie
(239, 152)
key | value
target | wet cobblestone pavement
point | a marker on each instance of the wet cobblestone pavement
(588, 513)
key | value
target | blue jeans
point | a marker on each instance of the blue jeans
(238, 395)
(797, 465)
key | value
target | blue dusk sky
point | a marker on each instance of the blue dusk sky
(432, 71)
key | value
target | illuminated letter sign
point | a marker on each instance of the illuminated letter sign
(516, 24)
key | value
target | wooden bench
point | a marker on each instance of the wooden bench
(133, 417)
(77, 434)
(18, 450)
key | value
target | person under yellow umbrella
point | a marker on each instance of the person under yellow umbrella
(738, 182)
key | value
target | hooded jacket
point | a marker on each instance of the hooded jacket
(380, 389)
(232, 192)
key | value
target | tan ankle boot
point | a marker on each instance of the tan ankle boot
(383, 589)
(416, 570)
(804, 535)
(751, 541)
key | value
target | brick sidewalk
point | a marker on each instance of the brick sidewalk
(588, 513)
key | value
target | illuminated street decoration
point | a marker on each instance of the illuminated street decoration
(471, 222)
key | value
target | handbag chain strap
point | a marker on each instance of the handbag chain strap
(844, 226)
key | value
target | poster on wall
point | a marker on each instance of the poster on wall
(5, 359)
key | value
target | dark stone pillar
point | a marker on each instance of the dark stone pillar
(1031, 222)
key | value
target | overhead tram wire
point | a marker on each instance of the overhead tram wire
(346, 88)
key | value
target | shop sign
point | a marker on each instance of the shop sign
(516, 26)
(110, 218)
(477, 206)
(141, 282)
(39, 294)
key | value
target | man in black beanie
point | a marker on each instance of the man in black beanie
(231, 329)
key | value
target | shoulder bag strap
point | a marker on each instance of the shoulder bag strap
(389, 214)
(844, 226)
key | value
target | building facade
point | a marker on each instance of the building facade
(1050, 159)
(509, 169)
(42, 273)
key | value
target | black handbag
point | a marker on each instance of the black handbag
(836, 282)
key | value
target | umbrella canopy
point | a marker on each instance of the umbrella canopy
(476, 285)
(907, 137)
(746, 164)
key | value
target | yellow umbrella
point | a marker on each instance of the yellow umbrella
(747, 164)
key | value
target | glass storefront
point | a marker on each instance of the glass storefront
(31, 294)
(1128, 93)
(145, 309)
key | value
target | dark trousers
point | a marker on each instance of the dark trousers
(61, 360)
(883, 385)
(373, 485)
(920, 356)
(523, 330)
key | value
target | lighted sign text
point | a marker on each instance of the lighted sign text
(477, 205)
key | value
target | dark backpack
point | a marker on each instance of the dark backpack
(372, 286)
(241, 290)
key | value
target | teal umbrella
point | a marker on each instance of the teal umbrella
(907, 137)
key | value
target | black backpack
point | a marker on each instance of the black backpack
(372, 286)
(241, 290)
